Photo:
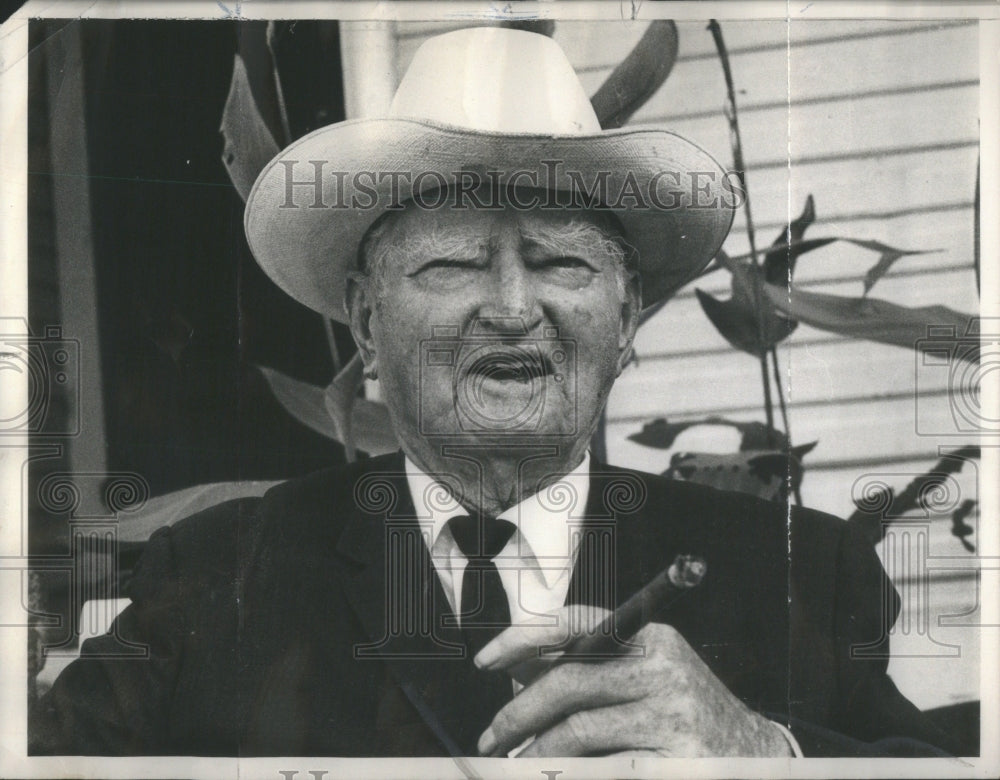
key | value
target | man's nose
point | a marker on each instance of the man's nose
(513, 305)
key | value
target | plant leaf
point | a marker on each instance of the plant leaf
(372, 428)
(791, 252)
(302, 400)
(171, 507)
(736, 320)
(763, 473)
(779, 260)
(661, 434)
(796, 249)
(797, 228)
(892, 506)
(370, 424)
(959, 528)
(248, 142)
(649, 311)
(801, 450)
(339, 397)
(754, 435)
(758, 436)
(889, 256)
(638, 76)
(869, 318)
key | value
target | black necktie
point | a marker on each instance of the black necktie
(484, 609)
(484, 613)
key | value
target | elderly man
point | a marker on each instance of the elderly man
(491, 250)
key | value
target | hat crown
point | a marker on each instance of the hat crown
(495, 80)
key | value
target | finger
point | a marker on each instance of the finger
(586, 732)
(528, 671)
(558, 693)
(526, 641)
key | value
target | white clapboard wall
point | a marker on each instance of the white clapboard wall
(878, 120)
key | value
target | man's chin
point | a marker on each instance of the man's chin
(561, 435)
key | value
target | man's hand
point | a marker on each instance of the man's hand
(664, 700)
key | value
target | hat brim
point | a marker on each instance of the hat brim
(307, 244)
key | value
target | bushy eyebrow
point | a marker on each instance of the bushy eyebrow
(577, 238)
(573, 239)
(444, 245)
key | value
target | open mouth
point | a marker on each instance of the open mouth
(513, 364)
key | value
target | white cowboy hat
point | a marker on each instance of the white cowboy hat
(483, 102)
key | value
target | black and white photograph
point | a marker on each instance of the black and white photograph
(532, 389)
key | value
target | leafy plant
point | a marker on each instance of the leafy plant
(765, 465)
(877, 510)
(767, 474)
(867, 318)
(765, 307)
(753, 435)
(337, 411)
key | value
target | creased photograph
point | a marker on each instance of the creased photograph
(558, 389)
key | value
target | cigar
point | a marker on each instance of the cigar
(610, 638)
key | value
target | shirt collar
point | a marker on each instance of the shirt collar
(545, 520)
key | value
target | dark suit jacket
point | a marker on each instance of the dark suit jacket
(307, 622)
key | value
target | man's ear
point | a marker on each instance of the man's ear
(359, 304)
(629, 322)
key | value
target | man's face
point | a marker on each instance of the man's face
(494, 323)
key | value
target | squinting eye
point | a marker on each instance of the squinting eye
(445, 262)
(567, 261)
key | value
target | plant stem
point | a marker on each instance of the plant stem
(796, 491)
(737, 147)
(766, 384)
(332, 343)
(279, 94)
(781, 393)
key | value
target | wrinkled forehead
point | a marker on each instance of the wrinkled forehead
(534, 212)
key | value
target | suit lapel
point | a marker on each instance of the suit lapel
(611, 561)
(400, 602)
(633, 530)
(635, 525)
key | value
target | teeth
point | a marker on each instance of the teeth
(508, 365)
(503, 371)
(503, 367)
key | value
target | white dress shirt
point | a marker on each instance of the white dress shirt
(536, 564)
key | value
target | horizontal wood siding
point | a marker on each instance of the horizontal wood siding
(878, 120)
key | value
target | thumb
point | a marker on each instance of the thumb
(530, 647)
